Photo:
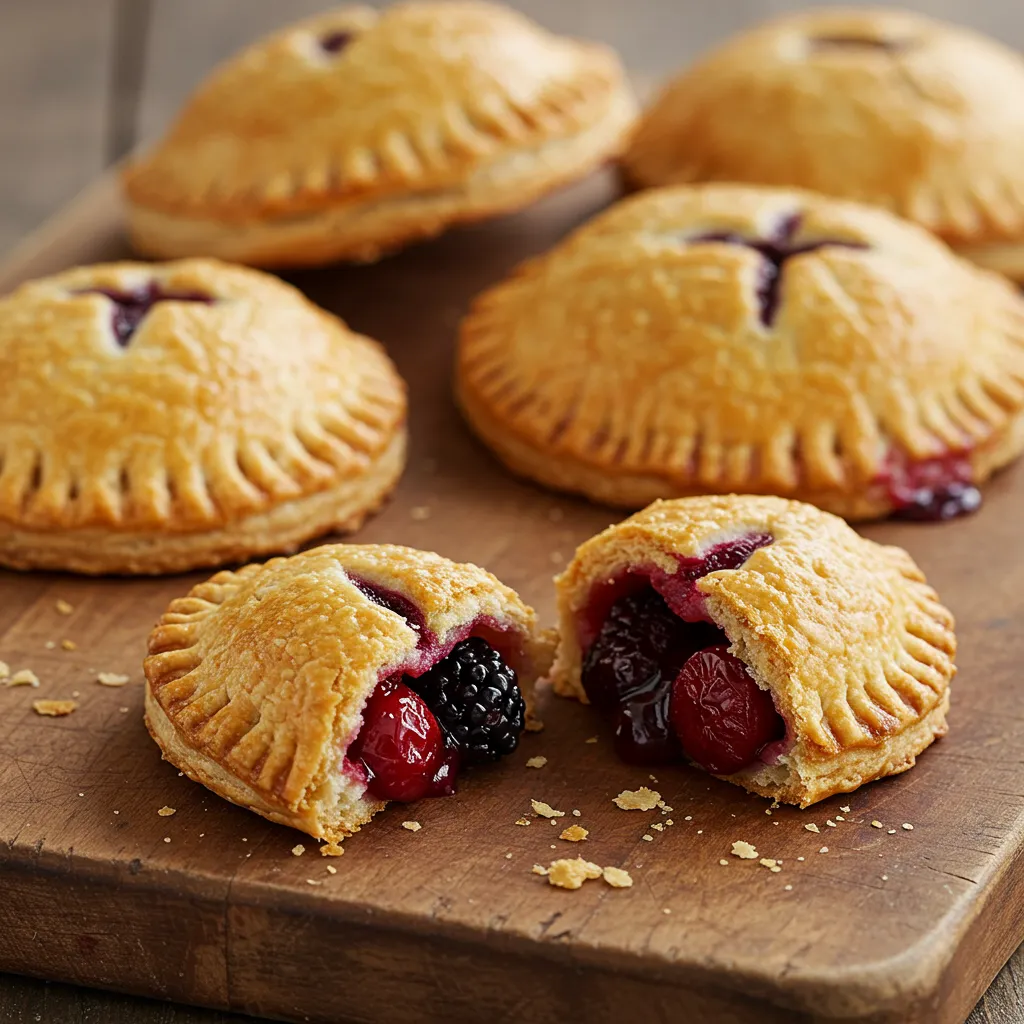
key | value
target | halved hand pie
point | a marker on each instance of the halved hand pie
(881, 106)
(355, 132)
(759, 638)
(154, 418)
(725, 338)
(314, 689)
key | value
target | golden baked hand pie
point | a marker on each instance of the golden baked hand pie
(155, 418)
(881, 106)
(759, 638)
(313, 689)
(727, 338)
(355, 132)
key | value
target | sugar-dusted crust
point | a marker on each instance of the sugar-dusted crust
(257, 679)
(433, 113)
(632, 362)
(846, 635)
(929, 126)
(219, 431)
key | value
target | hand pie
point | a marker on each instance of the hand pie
(881, 106)
(759, 638)
(726, 338)
(155, 418)
(314, 689)
(356, 132)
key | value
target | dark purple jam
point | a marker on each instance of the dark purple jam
(335, 42)
(932, 490)
(130, 308)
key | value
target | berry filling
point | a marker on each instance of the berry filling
(931, 489)
(653, 658)
(775, 249)
(859, 43)
(335, 42)
(395, 602)
(130, 308)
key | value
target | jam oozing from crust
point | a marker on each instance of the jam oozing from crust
(335, 42)
(639, 634)
(931, 489)
(775, 249)
(130, 308)
(722, 717)
(452, 705)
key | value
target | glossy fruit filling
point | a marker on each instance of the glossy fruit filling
(659, 669)
(130, 308)
(335, 42)
(457, 704)
(931, 489)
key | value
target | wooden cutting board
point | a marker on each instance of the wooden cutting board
(210, 905)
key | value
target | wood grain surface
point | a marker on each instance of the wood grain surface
(57, 101)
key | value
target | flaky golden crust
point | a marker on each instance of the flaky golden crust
(634, 360)
(217, 431)
(846, 635)
(257, 679)
(433, 113)
(929, 124)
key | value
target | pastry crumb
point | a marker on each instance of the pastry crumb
(63, 607)
(545, 810)
(571, 874)
(313, 881)
(331, 869)
(892, 831)
(50, 645)
(642, 799)
(724, 863)
(111, 679)
(575, 813)
(539, 869)
(537, 762)
(745, 851)
(419, 512)
(331, 850)
(666, 910)
(830, 823)
(508, 856)
(593, 739)
(658, 826)
(907, 826)
(788, 888)
(647, 838)
(617, 878)
(557, 558)
(768, 862)
(574, 834)
(54, 708)
(166, 812)
(298, 850)
(124, 711)
(5, 670)
(885, 878)
(800, 858)
(23, 677)
(68, 645)
(811, 827)
(824, 849)
(669, 821)
(412, 826)
(522, 821)
(877, 824)
(167, 839)
(845, 810)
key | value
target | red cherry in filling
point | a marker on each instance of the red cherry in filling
(722, 717)
(402, 747)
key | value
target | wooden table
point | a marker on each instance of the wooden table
(80, 79)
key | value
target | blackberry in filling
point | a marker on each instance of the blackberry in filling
(660, 670)
(130, 308)
(420, 730)
(932, 489)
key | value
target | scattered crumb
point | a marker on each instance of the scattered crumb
(553, 847)
(839, 817)
(788, 888)
(508, 856)
(298, 850)
(617, 878)
(537, 762)
(69, 645)
(642, 799)
(724, 863)
(313, 881)
(892, 831)
(124, 711)
(54, 708)
(768, 862)
(908, 826)
(885, 878)
(75, 693)
(593, 739)
(653, 779)
(419, 512)
(571, 874)
(5, 670)
(522, 821)
(666, 910)
(23, 677)
(647, 838)
(331, 869)
(539, 869)
(669, 821)
(111, 679)
(331, 850)
(166, 812)
(545, 810)
(811, 827)
(574, 834)
(745, 851)
(63, 607)
(800, 858)
(700, 831)
(412, 826)
(767, 810)
(665, 809)
(845, 810)
(658, 826)
(557, 558)
(824, 849)
(575, 813)
(689, 817)
(552, 821)
(830, 823)
(877, 824)
(167, 839)
(49, 645)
